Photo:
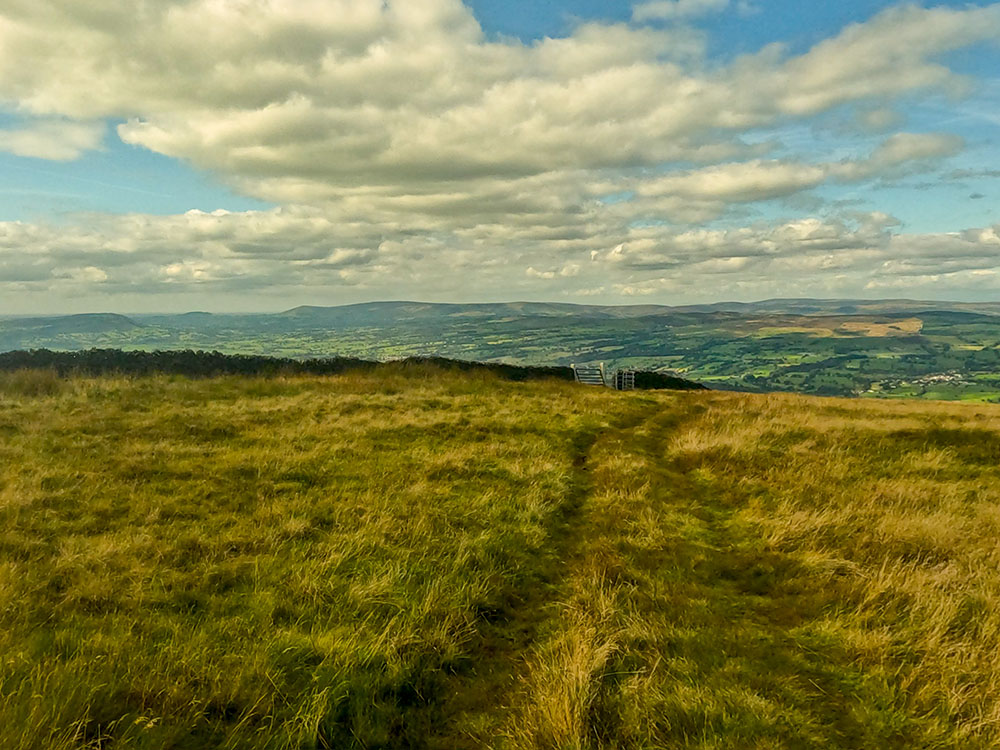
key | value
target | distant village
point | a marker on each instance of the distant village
(951, 378)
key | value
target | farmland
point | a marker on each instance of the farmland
(888, 349)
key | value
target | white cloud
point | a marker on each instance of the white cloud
(403, 142)
(899, 153)
(655, 248)
(891, 54)
(289, 100)
(294, 253)
(55, 140)
(701, 194)
(877, 119)
(739, 182)
(670, 10)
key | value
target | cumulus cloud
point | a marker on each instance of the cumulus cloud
(887, 56)
(877, 119)
(808, 257)
(701, 194)
(653, 248)
(196, 250)
(294, 102)
(55, 140)
(901, 152)
(401, 140)
(285, 254)
(739, 182)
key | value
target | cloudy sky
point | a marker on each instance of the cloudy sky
(170, 155)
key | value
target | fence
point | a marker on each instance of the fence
(624, 380)
(620, 380)
(589, 375)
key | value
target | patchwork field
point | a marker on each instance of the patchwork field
(424, 559)
(880, 349)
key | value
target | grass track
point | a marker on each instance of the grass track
(507, 634)
(452, 561)
(692, 618)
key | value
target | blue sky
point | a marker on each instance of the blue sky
(115, 178)
(236, 156)
(797, 24)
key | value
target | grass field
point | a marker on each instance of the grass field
(429, 560)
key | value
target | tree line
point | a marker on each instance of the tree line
(197, 363)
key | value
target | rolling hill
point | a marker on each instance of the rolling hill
(423, 559)
(888, 348)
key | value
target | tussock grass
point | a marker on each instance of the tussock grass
(285, 562)
(414, 558)
(30, 383)
(779, 571)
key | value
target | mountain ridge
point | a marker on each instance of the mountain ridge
(788, 305)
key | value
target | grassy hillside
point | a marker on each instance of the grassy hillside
(442, 560)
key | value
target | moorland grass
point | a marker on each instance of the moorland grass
(781, 572)
(430, 559)
(265, 563)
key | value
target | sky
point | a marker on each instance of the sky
(255, 155)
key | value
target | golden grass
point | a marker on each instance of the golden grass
(264, 563)
(787, 572)
(428, 560)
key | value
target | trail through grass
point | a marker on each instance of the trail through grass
(779, 572)
(269, 563)
(424, 560)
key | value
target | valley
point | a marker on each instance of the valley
(885, 349)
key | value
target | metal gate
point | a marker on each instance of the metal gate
(589, 375)
(624, 380)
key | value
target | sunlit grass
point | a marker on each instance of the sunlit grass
(264, 563)
(423, 559)
(778, 571)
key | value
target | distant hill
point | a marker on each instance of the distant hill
(63, 331)
(912, 348)
(396, 312)
(64, 324)
(806, 306)
(402, 310)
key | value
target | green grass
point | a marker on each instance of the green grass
(443, 561)
(782, 572)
